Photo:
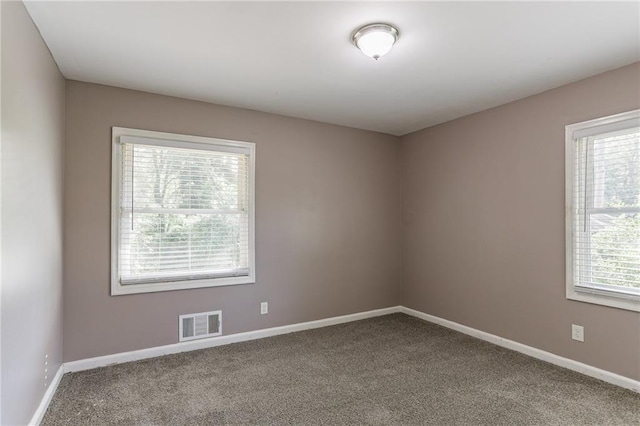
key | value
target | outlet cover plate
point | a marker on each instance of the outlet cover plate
(577, 332)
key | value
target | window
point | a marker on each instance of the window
(603, 211)
(182, 212)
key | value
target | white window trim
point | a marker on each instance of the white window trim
(595, 296)
(198, 141)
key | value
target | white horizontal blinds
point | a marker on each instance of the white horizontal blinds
(606, 199)
(184, 212)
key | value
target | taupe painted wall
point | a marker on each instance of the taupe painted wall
(483, 223)
(327, 222)
(33, 93)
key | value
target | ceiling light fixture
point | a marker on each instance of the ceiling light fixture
(375, 40)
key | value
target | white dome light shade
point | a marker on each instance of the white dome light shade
(375, 40)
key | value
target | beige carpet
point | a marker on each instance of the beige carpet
(388, 370)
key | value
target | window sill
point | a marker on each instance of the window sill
(118, 289)
(628, 303)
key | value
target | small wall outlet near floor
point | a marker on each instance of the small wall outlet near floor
(577, 332)
(264, 308)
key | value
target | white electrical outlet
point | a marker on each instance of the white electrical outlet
(264, 308)
(577, 332)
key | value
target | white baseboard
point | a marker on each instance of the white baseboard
(588, 370)
(46, 399)
(102, 361)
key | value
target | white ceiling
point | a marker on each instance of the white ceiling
(296, 58)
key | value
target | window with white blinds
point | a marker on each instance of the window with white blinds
(603, 230)
(182, 213)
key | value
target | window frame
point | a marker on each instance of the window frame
(178, 141)
(600, 296)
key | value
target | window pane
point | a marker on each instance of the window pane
(184, 243)
(182, 178)
(184, 214)
(615, 249)
(604, 234)
(616, 170)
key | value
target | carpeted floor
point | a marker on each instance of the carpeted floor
(388, 370)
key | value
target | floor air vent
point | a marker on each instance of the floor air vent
(198, 326)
